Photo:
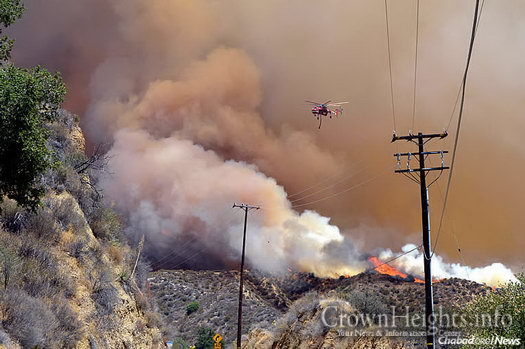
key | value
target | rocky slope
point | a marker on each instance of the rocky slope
(65, 284)
(216, 294)
(283, 312)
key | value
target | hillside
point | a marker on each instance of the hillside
(283, 312)
(65, 268)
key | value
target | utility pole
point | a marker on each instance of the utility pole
(141, 246)
(421, 139)
(245, 208)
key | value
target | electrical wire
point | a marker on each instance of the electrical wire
(390, 66)
(330, 186)
(342, 191)
(415, 67)
(452, 229)
(461, 82)
(175, 253)
(325, 180)
(165, 259)
(460, 117)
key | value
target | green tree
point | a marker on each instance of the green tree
(498, 313)
(10, 11)
(29, 99)
(204, 338)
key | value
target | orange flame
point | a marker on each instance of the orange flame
(387, 269)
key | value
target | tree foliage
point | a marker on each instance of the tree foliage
(503, 311)
(204, 338)
(29, 99)
(10, 11)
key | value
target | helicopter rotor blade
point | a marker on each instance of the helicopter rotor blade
(313, 102)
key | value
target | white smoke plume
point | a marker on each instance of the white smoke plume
(171, 187)
(494, 274)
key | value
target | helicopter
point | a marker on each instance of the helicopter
(326, 109)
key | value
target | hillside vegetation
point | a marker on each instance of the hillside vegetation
(284, 311)
(65, 267)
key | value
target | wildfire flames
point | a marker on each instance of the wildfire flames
(384, 268)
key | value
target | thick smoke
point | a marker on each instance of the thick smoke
(202, 101)
(495, 274)
(172, 187)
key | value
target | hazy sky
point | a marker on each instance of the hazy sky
(305, 49)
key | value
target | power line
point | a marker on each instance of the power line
(337, 178)
(390, 66)
(460, 117)
(342, 191)
(415, 66)
(461, 82)
(326, 180)
(330, 186)
(458, 247)
(167, 258)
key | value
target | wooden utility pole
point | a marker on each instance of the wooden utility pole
(245, 208)
(421, 139)
(141, 246)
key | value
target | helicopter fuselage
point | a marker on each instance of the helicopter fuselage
(321, 110)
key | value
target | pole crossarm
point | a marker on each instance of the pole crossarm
(427, 169)
(411, 136)
(436, 152)
(246, 207)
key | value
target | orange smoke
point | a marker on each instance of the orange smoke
(230, 78)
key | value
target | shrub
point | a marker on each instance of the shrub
(39, 273)
(180, 343)
(64, 177)
(192, 307)
(65, 212)
(367, 302)
(106, 224)
(42, 224)
(28, 319)
(141, 300)
(508, 302)
(204, 338)
(11, 216)
(115, 253)
(106, 299)
(104, 294)
(9, 261)
(69, 327)
(6, 341)
(44, 282)
(77, 248)
(153, 319)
